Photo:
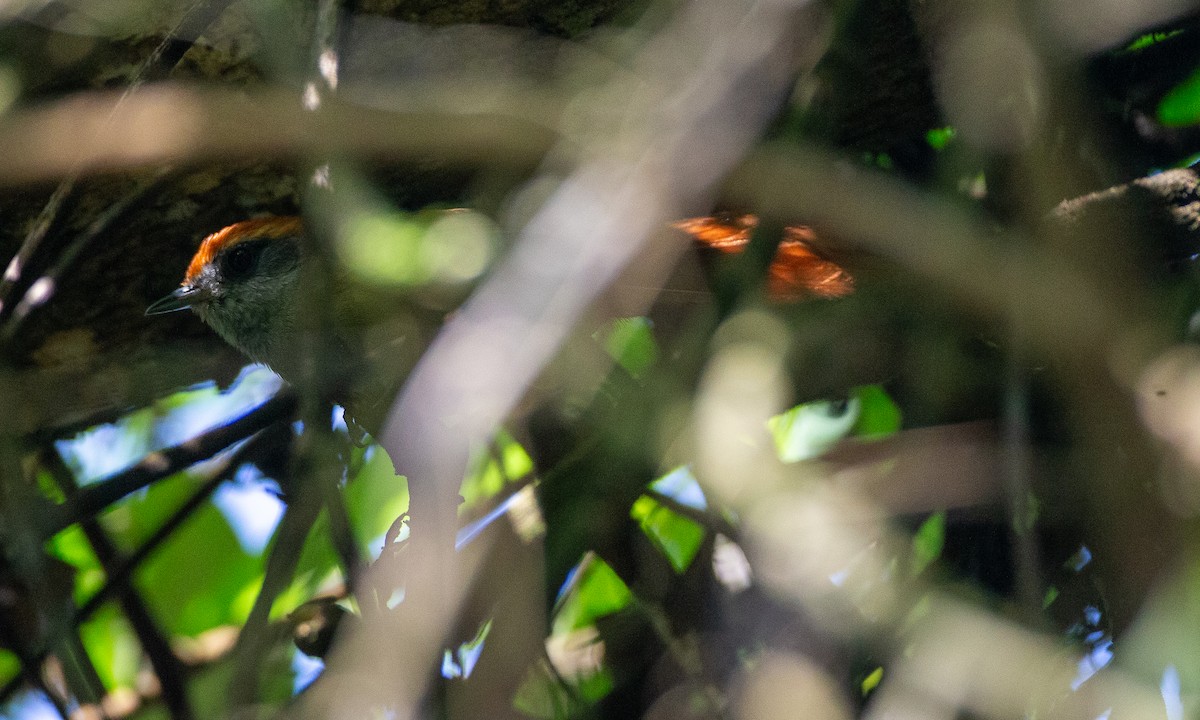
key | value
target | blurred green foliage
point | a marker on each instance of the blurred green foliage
(1181, 106)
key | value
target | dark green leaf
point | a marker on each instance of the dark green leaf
(1181, 106)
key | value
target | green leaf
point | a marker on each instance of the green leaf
(10, 666)
(193, 580)
(878, 415)
(317, 566)
(386, 247)
(871, 681)
(598, 592)
(72, 547)
(806, 431)
(928, 542)
(540, 695)
(939, 138)
(374, 498)
(630, 342)
(112, 647)
(1181, 105)
(493, 468)
(595, 686)
(678, 537)
(1148, 39)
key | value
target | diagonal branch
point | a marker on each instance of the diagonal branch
(94, 498)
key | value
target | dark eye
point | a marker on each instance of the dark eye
(240, 261)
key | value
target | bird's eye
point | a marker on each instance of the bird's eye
(239, 262)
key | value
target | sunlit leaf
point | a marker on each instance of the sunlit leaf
(808, 430)
(1148, 39)
(678, 537)
(878, 415)
(112, 647)
(870, 682)
(407, 249)
(928, 541)
(316, 568)
(375, 497)
(193, 578)
(595, 686)
(598, 591)
(72, 547)
(630, 342)
(504, 462)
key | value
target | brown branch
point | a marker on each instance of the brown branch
(168, 123)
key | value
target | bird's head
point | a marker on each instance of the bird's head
(244, 282)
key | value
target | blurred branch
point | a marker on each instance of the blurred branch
(1095, 330)
(56, 401)
(963, 658)
(168, 123)
(675, 130)
(282, 558)
(165, 55)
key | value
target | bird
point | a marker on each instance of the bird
(258, 284)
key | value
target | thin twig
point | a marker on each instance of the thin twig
(705, 518)
(164, 57)
(43, 289)
(123, 571)
(170, 671)
(94, 498)
(282, 558)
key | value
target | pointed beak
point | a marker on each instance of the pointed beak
(182, 299)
